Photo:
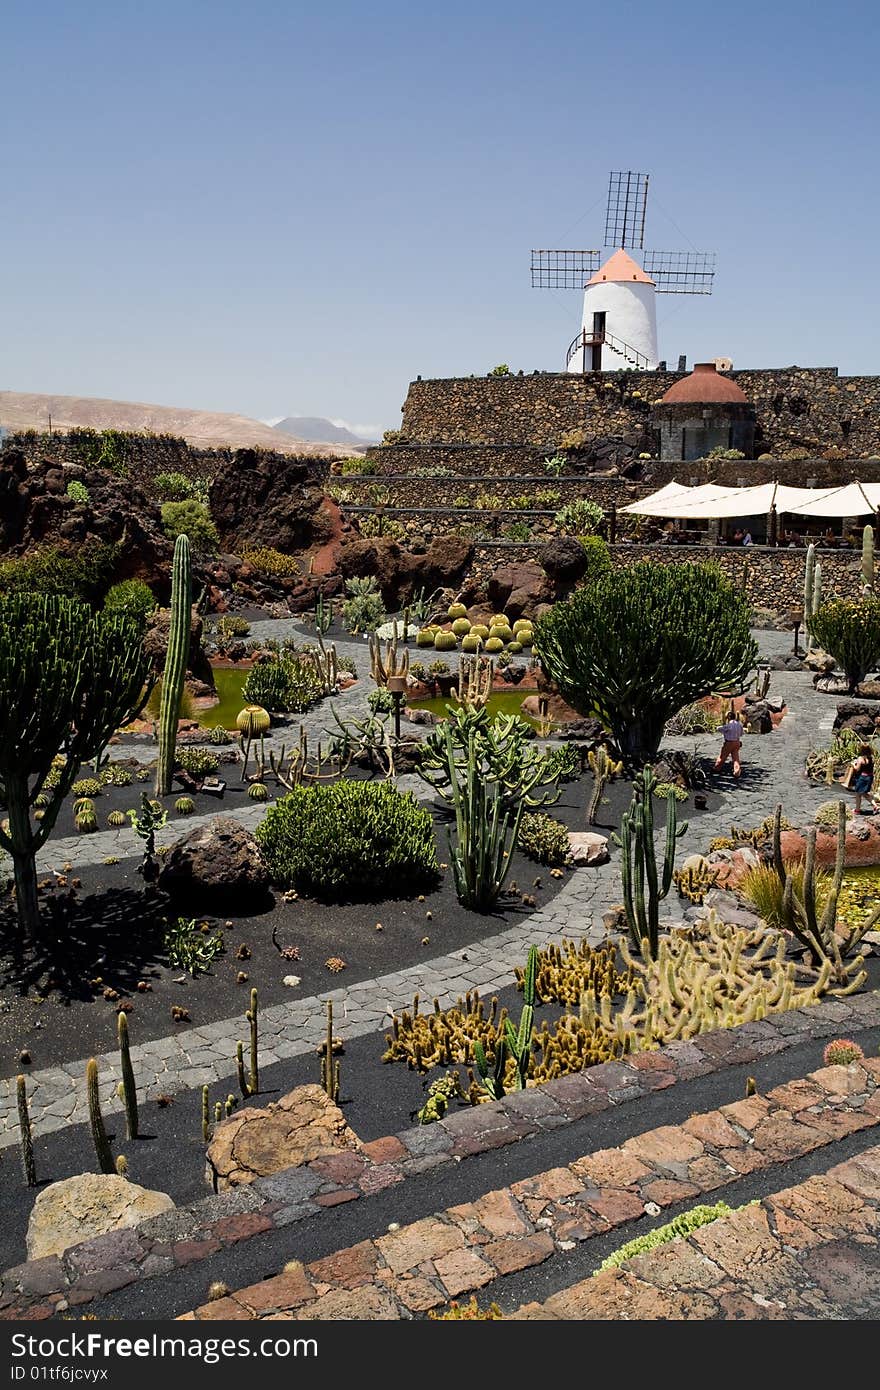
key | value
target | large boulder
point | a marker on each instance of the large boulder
(564, 561)
(400, 573)
(156, 645)
(298, 1128)
(519, 589)
(91, 1204)
(35, 510)
(218, 864)
(261, 499)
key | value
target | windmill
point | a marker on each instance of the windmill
(620, 321)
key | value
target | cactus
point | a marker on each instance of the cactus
(382, 667)
(329, 1068)
(485, 831)
(251, 1016)
(230, 1104)
(116, 819)
(799, 911)
(258, 791)
(494, 1084)
(129, 1090)
(239, 1066)
(96, 1119)
(184, 805)
(476, 676)
(26, 1137)
(218, 1112)
(639, 865)
(121, 1165)
(519, 1040)
(175, 663)
(206, 1120)
(603, 768)
(868, 558)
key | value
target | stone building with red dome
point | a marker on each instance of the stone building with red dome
(702, 412)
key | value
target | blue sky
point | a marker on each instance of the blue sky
(278, 208)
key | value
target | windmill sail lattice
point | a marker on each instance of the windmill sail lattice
(619, 317)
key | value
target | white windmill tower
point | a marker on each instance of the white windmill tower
(619, 326)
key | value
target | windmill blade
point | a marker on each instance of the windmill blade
(681, 272)
(563, 270)
(625, 209)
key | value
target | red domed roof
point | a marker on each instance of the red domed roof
(704, 386)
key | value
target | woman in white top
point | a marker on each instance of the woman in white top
(732, 732)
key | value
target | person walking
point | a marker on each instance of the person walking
(862, 781)
(732, 732)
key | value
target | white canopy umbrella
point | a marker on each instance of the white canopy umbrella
(850, 500)
(685, 502)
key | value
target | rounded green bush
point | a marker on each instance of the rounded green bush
(184, 805)
(501, 630)
(445, 642)
(544, 839)
(493, 644)
(425, 637)
(350, 840)
(198, 762)
(131, 596)
(461, 627)
(284, 684)
(456, 610)
(471, 643)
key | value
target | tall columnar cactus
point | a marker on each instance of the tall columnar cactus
(809, 580)
(206, 1115)
(818, 932)
(329, 1068)
(643, 889)
(603, 768)
(175, 663)
(96, 1119)
(254, 1079)
(129, 1089)
(868, 558)
(27, 1140)
(485, 832)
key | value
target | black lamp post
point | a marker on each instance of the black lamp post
(397, 691)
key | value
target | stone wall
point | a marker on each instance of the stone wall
(808, 409)
(773, 578)
(141, 456)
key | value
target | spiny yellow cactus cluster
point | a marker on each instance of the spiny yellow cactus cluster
(565, 971)
(444, 1037)
(694, 883)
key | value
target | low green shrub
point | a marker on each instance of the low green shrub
(87, 786)
(191, 518)
(283, 685)
(78, 492)
(177, 487)
(85, 574)
(198, 762)
(266, 560)
(131, 596)
(580, 517)
(363, 611)
(679, 1226)
(543, 838)
(350, 840)
(115, 775)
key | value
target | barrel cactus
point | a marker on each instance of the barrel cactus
(445, 642)
(461, 627)
(258, 791)
(184, 805)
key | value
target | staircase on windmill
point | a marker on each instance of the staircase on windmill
(619, 326)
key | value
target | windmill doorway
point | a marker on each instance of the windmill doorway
(598, 338)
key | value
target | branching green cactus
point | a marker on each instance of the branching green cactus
(818, 934)
(26, 1137)
(96, 1119)
(175, 663)
(129, 1090)
(69, 678)
(485, 831)
(643, 891)
(519, 1040)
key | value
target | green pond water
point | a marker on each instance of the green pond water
(229, 683)
(500, 702)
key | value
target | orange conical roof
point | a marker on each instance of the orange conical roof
(621, 268)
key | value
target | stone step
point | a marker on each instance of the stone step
(809, 1251)
(475, 1245)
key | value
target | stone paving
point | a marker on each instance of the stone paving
(569, 1204)
(809, 1252)
(202, 1055)
(469, 1246)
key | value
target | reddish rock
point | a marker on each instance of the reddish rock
(262, 499)
(300, 1127)
(399, 572)
(518, 589)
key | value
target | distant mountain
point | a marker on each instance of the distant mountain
(319, 430)
(205, 429)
